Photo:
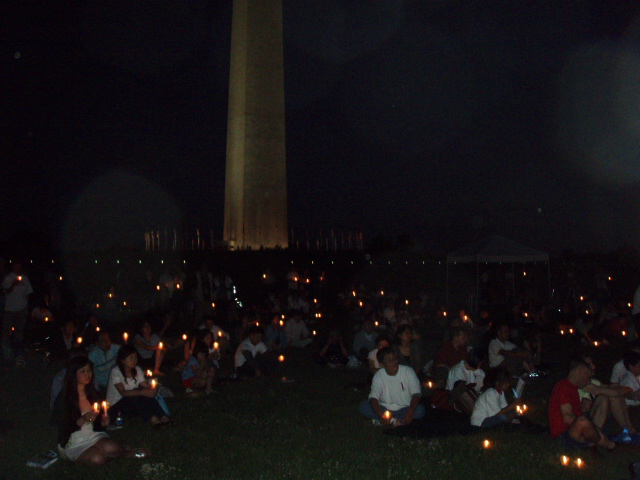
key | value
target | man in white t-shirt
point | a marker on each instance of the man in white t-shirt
(503, 353)
(631, 362)
(249, 358)
(17, 289)
(395, 393)
(296, 331)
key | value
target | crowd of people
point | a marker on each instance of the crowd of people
(405, 348)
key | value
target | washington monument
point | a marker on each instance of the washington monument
(255, 205)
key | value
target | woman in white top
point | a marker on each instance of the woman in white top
(129, 393)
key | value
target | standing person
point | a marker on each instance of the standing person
(17, 289)
(395, 389)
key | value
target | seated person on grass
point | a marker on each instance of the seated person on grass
(503, 353)
(567, 421)
(619, 370)
(334, 353)
(382, 341)
(395, 388)
(296, 331)
(631, 362)
(365, 340)
(274, 337)
(196, 375)
(103, 355)
(491, 408)
(615, 393)
(450, 354)
(468, 372)
(250, 359)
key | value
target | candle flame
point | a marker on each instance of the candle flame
(149, 373)
(79, 340)
(125, 336)
(565, 460)
(215, 345)
(579, 463)
(153, 384)
(486, 443)
(96, 407)
(387, 415)
(281, 358)
(184, 336)
(160, 345)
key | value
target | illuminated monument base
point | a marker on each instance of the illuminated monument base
(255, 210)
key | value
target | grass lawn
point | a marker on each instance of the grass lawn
(310, 428)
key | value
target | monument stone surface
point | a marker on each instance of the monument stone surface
(255, 210)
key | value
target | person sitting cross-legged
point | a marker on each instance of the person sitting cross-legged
(395, 389)
(250, 359)
(567, 421)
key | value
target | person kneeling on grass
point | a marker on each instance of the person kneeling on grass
(250, 359)
(81, 435)
(567, 421)
(129, 393)
(395, 389)
(196, 375)
(491, 408)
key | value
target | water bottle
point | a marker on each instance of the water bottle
(119, 420)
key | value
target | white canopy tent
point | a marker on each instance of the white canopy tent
(496, 249)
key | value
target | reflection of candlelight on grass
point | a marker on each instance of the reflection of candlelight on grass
(565, 460)
(579, 463)
(486, 444)
(281, 358)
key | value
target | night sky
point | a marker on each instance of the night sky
(445, 120)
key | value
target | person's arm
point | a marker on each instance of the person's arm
(567, 413)
(408, 417)
(372, 367)
(608, 390)
(375, 404)
(139, 343)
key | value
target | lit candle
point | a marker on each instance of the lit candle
(430, 384)
(387, 415)
(518, 409)
(79, 340)
(177, 286)
(376, 324)
(153, 384)
(486, 444)
(561, 332)
(524, 408)
(96, 407)
(571, 330)
(444, 314)
(624, 334)
(125, 337)
(595, 344)
(281, 358)
(158, 287)
(19, 278)
(565, 460)
(216, 345)
(160, 346)
(406, 302)
(213, 305)
(105, 407)
(46, 319)
(97, 329)
(281, 323)
(579, 463)
(314, 332)
(184, 336)
(149, 373)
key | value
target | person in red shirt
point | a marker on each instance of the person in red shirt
(451, 353)
(567, 421)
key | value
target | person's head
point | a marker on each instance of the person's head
(589, 361)
(68, 328)
(502, 333)
(79, 375)
(206, 337)
(127, 359)
(255, 335)
(200, 351)
(389, 361)
(580, 373)
(631, 362)
(17, 268)
(501, 379)
(145, 328)
(405, 334)
(209, 322)
(459, 336)
(79, 371)
(368, 325)
(474, 359)
(382, 341)
(104, 341)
